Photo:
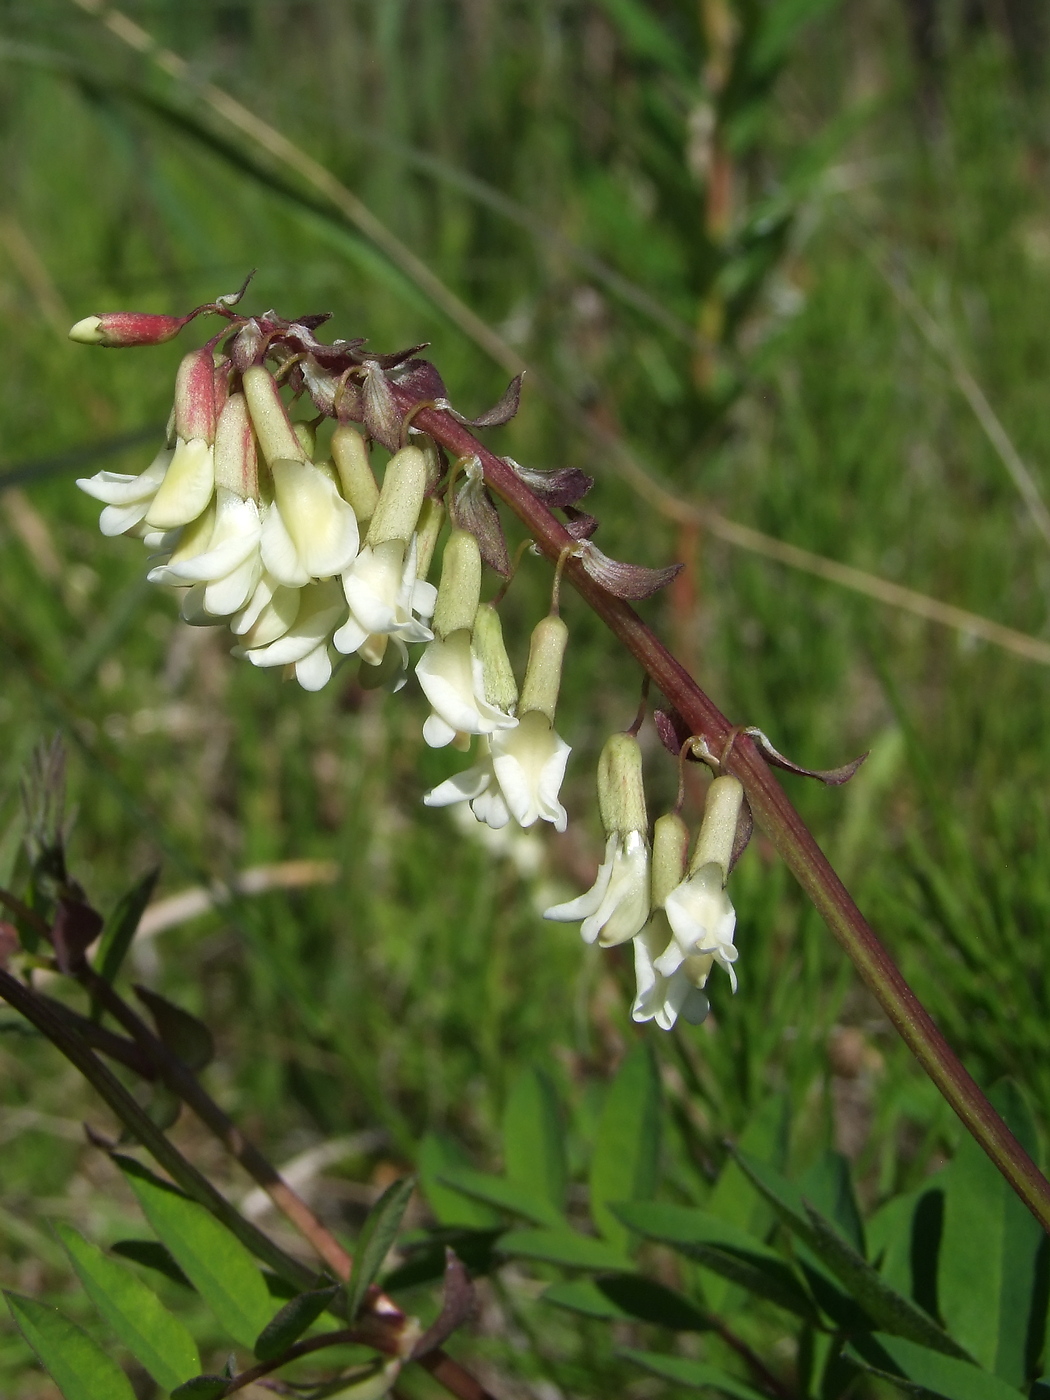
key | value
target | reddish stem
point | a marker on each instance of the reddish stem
(775, 814)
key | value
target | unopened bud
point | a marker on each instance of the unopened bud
(621, 793)
(714, 845)
(460, 590)
(670, 849)
(307, 435)
(550, 637)
(272, 425)
(355, 471)
(115, 329)
(401, 498)
(428, 528)
(236, 460)
(501, 689)
(195, 396)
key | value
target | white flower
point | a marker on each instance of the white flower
(476, 785)
(529, 762)
(309, 531)
(231, 566)
(663, 998)
(616, 906)
(305, 643)
(452, 679)
(268, 614)
(384, 595)
(187, 487)
(703, 921)
(127, 498)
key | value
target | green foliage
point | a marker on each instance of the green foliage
(289, 1324)
(626, 1158)
(79, 1366)
(153, 1336)
(376, 1239)
(216, 1263)
(119, 928)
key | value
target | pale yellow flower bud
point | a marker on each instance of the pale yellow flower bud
(460, 590)
(714, 845)
(401, 498)
(550, 637)
(355, 471)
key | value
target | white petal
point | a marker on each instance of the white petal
(117, 520)
(451, 679)
(350, 637)
(279, 554)
(491, 809)
(322, 525)
(586, 904)
(320, 608)
(187, 486)
(437, 733)
(461, 787)
(116, 489)
(315, 670)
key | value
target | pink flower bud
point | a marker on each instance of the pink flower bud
(115, 329)
(195, 396)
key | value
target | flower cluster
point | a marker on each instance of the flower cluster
(309, 560)
(679, 917)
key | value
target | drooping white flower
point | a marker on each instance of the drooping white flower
(386, 599)
(309, 531)
(126, 498)
(529, 765)
(231, 566)
(476, 785)
(187, 487)
(452, 679)
(703, 921)
(616, 906)
(305, 643)
(663, 998)
(268, 614)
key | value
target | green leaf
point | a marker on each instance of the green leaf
(887, 1308)
(436, 1154)
(927, 1371)
(698, 1375)
(156, 1339)
(504, 1194)
(78, 1366)
(120, 927)
(904, 1236)
(734, 1198)
(151, 1255)
(427, 1260)
(623, 1297)
(534, 1140)
(724, 1248)
(828, 1186)
(215, 1262)
(291, 1322)
(186, 1037)
(986, 1276)
(376, 1239)
(627, 1148)
(202, 1388)
(563, 1247)
(645, 36)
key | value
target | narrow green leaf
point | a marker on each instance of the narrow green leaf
(215, 1262)
(436, 1154)
(155, 1339)
(734, 1198)
(729, 1252)
(376, 1239)
(904, 1238)
(625, 1297)
(927, 1371)
(627, 1149)
(427, 1261)
(119, 928)
(887, 1308)
(504, 1194)
(291, 1322)
(78, 1366)
(645, 36)
(151, 1255)
(698, 1375)
(562, 1247)
(202, 1388)
(828, 1185)
(988, 1261)
(181, 1032)
(534, 1139)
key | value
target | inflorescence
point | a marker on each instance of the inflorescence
(308, 561)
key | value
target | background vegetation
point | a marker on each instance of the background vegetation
(506, 144)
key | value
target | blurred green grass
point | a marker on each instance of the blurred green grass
(407, 995)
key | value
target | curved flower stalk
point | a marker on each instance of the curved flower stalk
(617, 905)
